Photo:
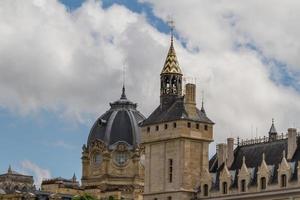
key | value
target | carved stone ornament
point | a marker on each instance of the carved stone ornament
(98, 145)
(122, 147)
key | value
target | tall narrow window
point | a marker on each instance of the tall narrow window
(148, 129)
(225, 188)
(205, 127)
(157, 128)
(170, 170)
(189, 124)
(174, 125)
(243, 185)
(263, 183)
(205, 190)
(283, 180)
(169, 198)
(166, 126)
(197, 126)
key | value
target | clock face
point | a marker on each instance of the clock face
(121, 158)
(97, 159)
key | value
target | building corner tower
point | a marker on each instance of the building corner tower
(176, 137)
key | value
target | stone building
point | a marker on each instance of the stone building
(61, 185)
(12, 182)
(260, 168)
(176, 137)
(111, 165)
(16, 186)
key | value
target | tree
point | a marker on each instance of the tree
(84, 197)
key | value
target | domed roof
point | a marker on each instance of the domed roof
(118, 124)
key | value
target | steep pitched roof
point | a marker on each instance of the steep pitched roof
(171, 65)
(176, 111)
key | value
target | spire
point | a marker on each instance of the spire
(171, 65)
(202, 104)
(123, 96)
(74, 178)
(273, 129)
(272, 132)
(9, 171)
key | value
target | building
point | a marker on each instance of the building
(176, 137)
(111, 159)
(12, 182)
(61, 185)
(260, 168)
(16, 186)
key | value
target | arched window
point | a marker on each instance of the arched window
(205, 190)
(243, 185)
(283, 180)
(224, 185)
(263, 183)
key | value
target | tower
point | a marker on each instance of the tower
(175, 137)
(111, 164)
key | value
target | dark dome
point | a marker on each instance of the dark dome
(118, 124)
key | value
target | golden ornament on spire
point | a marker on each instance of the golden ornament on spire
(171, 65)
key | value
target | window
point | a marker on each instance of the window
(121, 158)
(174, 125)
(283, 180)
(169, 198)
(205, 190)
(148, 129)
(157, 128)
(224, 187)
(243, 185)
(170, 170)
(189, 124)
(197, 126)
(263, 183)
(166, 126)
(97, 159)
(205, 127)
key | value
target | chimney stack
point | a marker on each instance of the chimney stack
(190, 99)
(230, 155)
(221, 153)
(292, 142)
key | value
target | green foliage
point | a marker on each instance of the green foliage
(84, 197)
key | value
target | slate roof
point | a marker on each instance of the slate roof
(273, 151)
(176, 111)
(118, 124)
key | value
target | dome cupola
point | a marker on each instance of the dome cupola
(118, 125)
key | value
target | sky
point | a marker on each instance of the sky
(61, 64)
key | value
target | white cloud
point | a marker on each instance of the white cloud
(71, 63)
(39, 173)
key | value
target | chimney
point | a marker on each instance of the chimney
(292, 142)
(230, 156)
(190, 99)
(221, 153)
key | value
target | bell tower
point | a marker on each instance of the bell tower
(175, 138)
(170, 78)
